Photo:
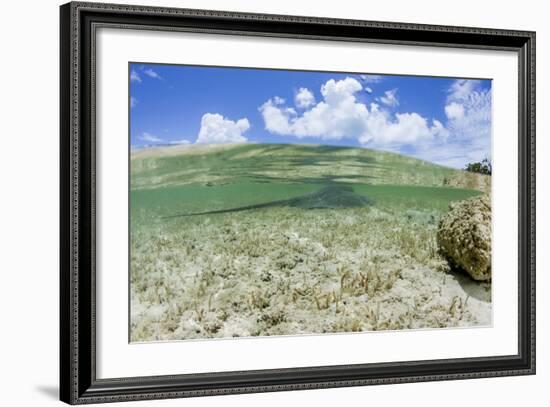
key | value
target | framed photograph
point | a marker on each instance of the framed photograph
(255, 203)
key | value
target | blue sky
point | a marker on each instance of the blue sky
(443, 120)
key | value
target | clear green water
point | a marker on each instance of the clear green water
(245, 175)
(169, 201)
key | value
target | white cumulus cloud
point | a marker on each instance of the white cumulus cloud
(464, 136)
(462, 88)
(215, 129)
(304, 98)
(454, 110)
(340, 115)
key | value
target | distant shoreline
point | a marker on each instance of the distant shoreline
(172, 149)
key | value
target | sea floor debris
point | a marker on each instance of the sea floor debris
(285, 270)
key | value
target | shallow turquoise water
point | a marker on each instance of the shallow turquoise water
(169, 201)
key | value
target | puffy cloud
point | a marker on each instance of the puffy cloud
(340, 115)
(133, 102)
(407, 128)
(150, 138)
(464, 137)
(276, 119)
(462, 88)
(304, 98)
(152, 74)
(390, 98)
(454, 111)
(134, 77)
(215, 129)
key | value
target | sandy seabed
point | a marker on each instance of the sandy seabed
(289, 271)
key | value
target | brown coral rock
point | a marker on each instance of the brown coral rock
(464, 236)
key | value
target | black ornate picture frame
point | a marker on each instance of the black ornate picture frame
(78, 381)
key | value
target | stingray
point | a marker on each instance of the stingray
(329, 197)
